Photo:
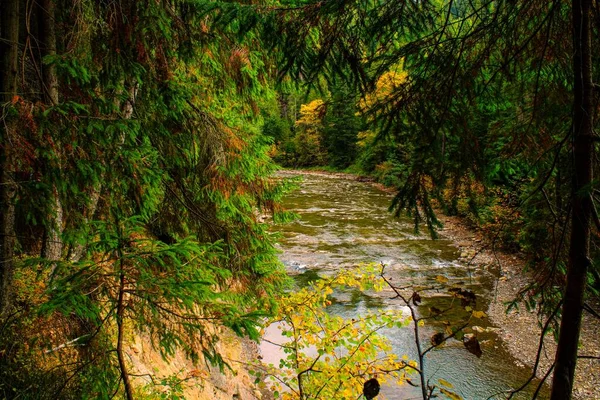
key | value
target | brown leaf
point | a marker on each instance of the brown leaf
(472, 344)
(416, 298)
(371, 389)
(467, 297)
(437, 339)
(435, 311)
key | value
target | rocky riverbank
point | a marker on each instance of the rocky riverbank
(521, 329)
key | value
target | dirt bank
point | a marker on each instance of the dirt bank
(199, 381)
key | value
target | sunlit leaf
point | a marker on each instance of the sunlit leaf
(450, 395)
(445, 383)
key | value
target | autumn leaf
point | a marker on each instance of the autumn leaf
(467, 297)
(437, 339)
(472, 344)
(450, 395)
(416, 298)
(435, 311)
(444, 382)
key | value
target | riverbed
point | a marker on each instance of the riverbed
(343, 223)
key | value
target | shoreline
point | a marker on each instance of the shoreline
(519, 329)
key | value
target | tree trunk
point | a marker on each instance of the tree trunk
(48, 48)
(9, 24)
(121, 329)
(53, 245)
(566, 354)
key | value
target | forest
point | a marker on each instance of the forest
(140, 144)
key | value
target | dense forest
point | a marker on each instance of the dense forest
(139, 142)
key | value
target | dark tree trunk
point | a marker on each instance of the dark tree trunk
(9, 14)
(53, 245)
(566, 354)
(120, 334)
(284, 102)
(48, 48)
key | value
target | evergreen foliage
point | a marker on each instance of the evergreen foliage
(135, 168)
(152, 177)
(494, 120)
(341, 127)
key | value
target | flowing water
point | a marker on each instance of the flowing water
(343, 223)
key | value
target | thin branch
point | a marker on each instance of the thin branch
(539, 387)
(586, 357)
(589, 309)
(70, 343)
(539, 351)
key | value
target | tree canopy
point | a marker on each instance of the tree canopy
(136, 145)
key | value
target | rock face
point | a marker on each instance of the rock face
(201, 381)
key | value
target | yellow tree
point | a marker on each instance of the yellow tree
(308, 138)
(327, 356)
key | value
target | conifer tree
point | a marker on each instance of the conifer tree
(340, 127)
(134, 182)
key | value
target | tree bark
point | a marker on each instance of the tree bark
(9, 24)
(579, 261)
(121, 329)
(48, 48)
(53, 244)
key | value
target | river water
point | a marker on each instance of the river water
(343, 223)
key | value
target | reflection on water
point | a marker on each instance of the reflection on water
(343, 223)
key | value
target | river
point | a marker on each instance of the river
(343, 223)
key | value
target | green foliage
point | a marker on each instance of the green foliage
(277, 129)
(154, 170)
(308, 140)
(468, 108)
(341, 127)
(164, 183)
(325, 133)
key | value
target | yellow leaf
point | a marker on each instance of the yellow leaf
(479, 314)
(441, 279)
(311, 113)
(444, 382)
(450, 395)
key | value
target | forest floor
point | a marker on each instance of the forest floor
(519, 329)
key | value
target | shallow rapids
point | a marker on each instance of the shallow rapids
(343, 223)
